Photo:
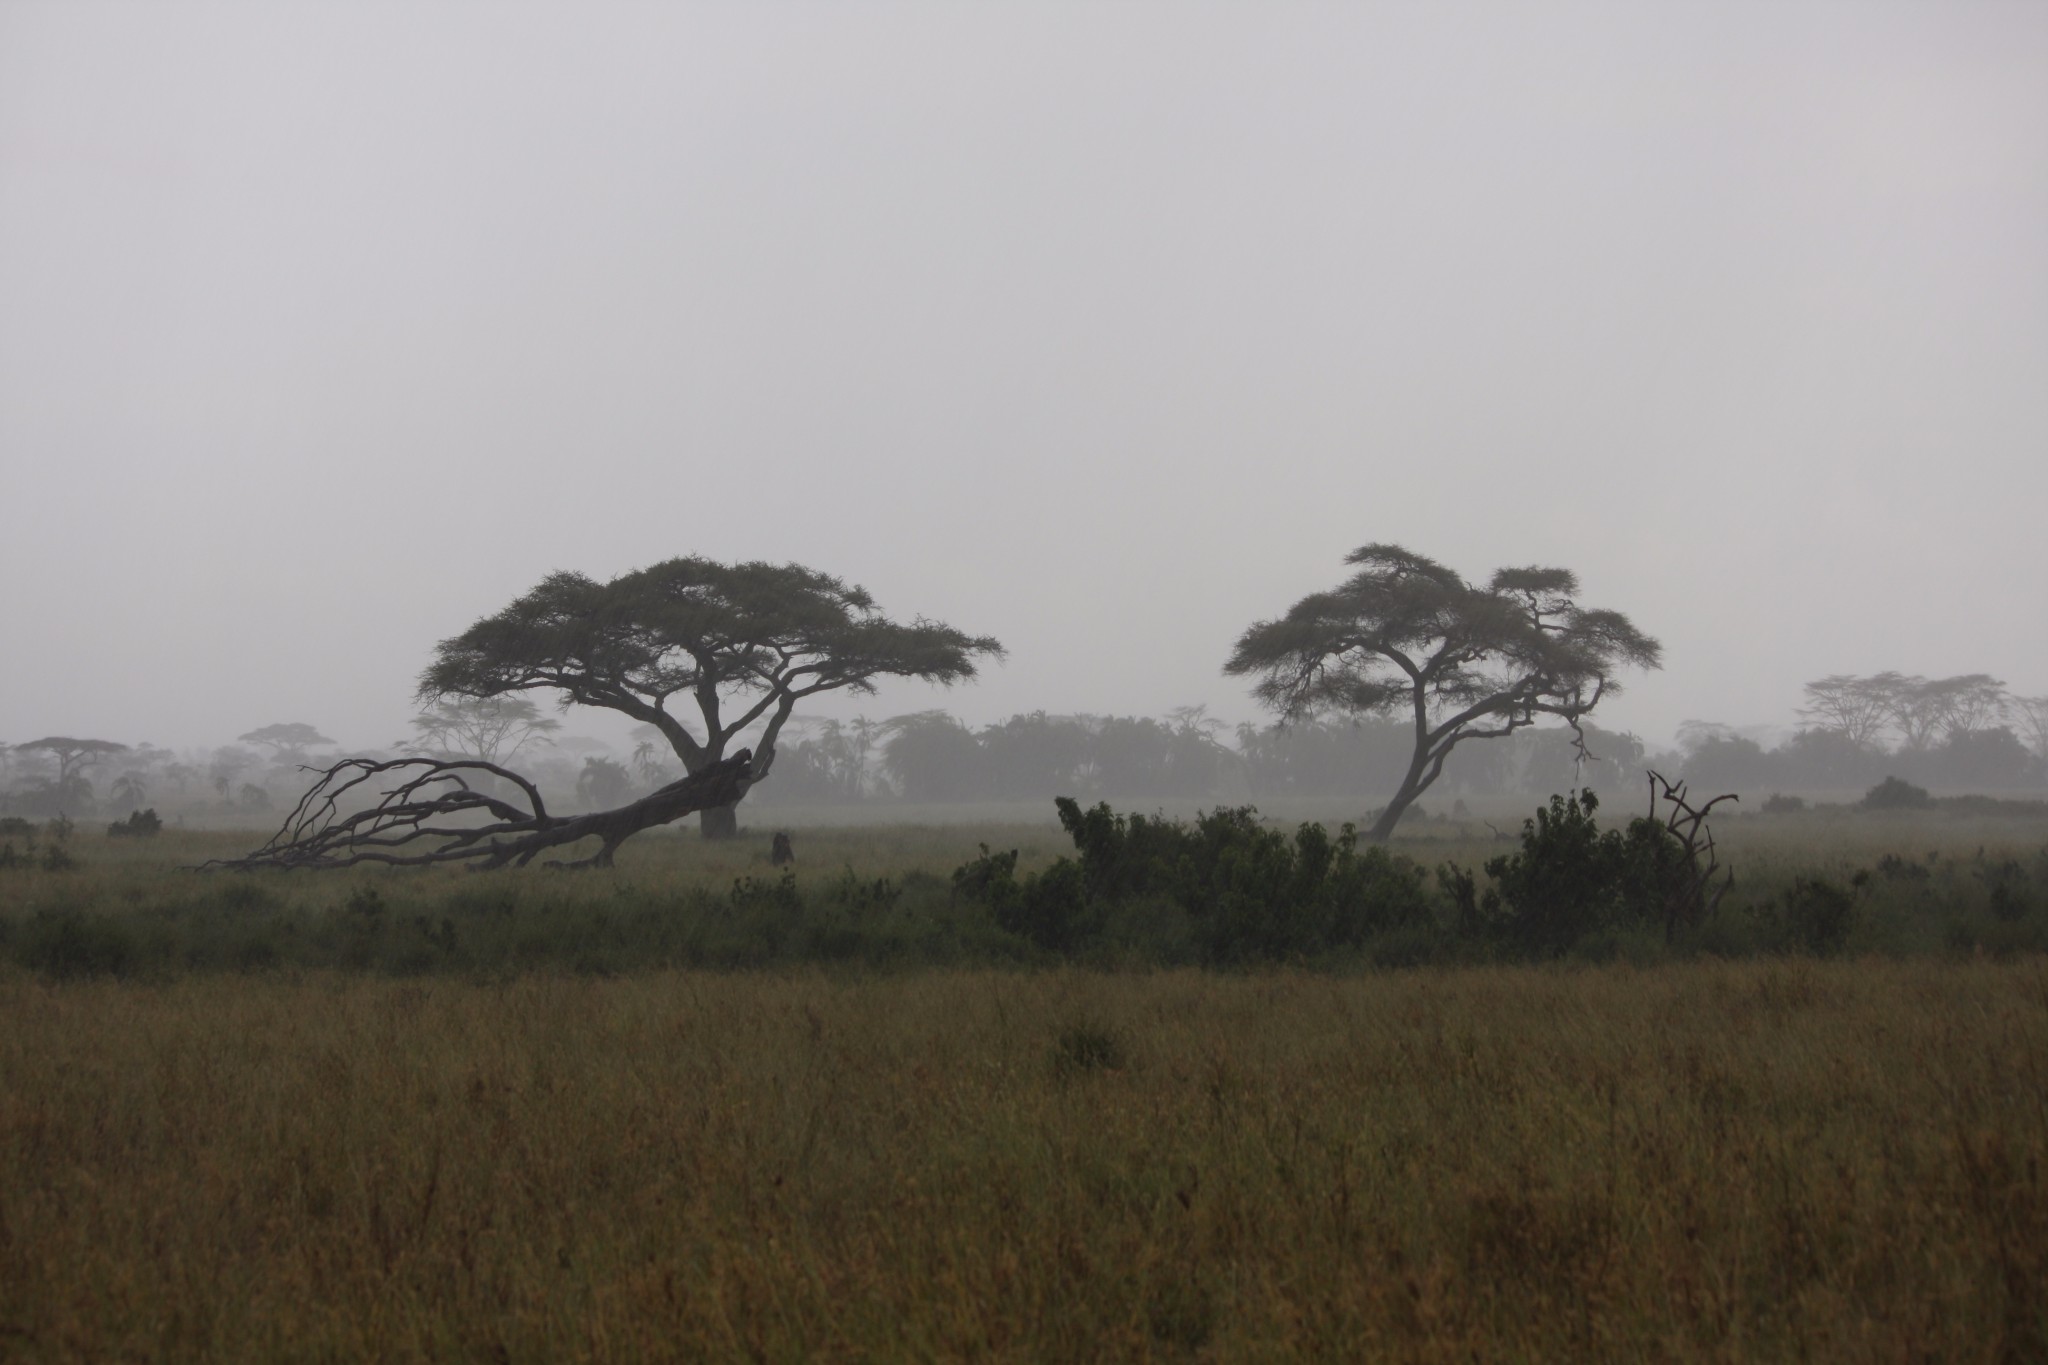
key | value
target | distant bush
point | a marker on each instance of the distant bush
(1784, 805)
(1897, 794)
(140, 824)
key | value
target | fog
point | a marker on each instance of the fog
(1104, 330)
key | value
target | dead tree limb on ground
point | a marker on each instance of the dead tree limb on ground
(1690, 895)
(431, 816)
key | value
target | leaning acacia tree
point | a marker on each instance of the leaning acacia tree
(740, 644)
(1405, 633)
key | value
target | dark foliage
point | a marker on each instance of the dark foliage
(140, 824)
(1896, 794)
(1246, 893)
(1818, 915)
(1571, 878)
(1406, 636)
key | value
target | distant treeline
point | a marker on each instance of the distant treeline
(933, 757)
(1960, 734)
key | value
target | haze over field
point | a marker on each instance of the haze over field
(1104, 330)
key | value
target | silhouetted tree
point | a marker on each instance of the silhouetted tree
(287, 741)
(1407, 634)
(493, 729)
(74, 756)
(1967, 704)
(933, 757)
(1828, 759)
(228, 764)
(1732, 760)
(603, 781)
(756, 638)
(1849, 706)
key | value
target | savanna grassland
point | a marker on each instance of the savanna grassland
(442, 1116)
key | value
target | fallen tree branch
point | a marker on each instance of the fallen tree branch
(430, 817)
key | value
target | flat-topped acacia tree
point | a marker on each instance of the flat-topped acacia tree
(1406, 634)
(73, 757)
(737, 644)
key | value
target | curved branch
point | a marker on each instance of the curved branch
(429, 817)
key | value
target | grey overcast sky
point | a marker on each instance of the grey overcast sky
(1105, 329)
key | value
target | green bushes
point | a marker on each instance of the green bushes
(1131, 890)
(1572, 879)
(1223, 890)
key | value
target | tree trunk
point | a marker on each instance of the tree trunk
(719, 822)
(1383, 828)
(1412, 786)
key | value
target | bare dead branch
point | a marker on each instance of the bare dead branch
(1691, 896)
(435, 815)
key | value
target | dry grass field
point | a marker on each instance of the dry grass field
(1712, 1161)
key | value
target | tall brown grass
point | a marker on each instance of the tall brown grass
(1769, 1160)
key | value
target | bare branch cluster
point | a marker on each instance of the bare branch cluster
(1691, 896)
(442, 811)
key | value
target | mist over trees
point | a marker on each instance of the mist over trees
(1961, 732)
(1377, 684)
(932, 757)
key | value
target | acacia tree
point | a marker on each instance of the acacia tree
(73, 757)
(493, 729)
(1917, 708)
(1406, 634)
(741, 644)
(1849, 706)
(287, 741)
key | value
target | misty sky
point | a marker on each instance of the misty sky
(1103, 329)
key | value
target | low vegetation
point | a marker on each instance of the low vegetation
(1768, 1160)
(1107, 889)
(967, 1092)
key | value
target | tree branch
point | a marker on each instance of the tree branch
(418, 822)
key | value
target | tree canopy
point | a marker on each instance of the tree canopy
(1407, 634)
(287, 741)
(493, 729)
(71, 754)
(740, 644)
(1918, 710)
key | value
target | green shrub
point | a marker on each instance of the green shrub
(1571, 879)
(1243, 892)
